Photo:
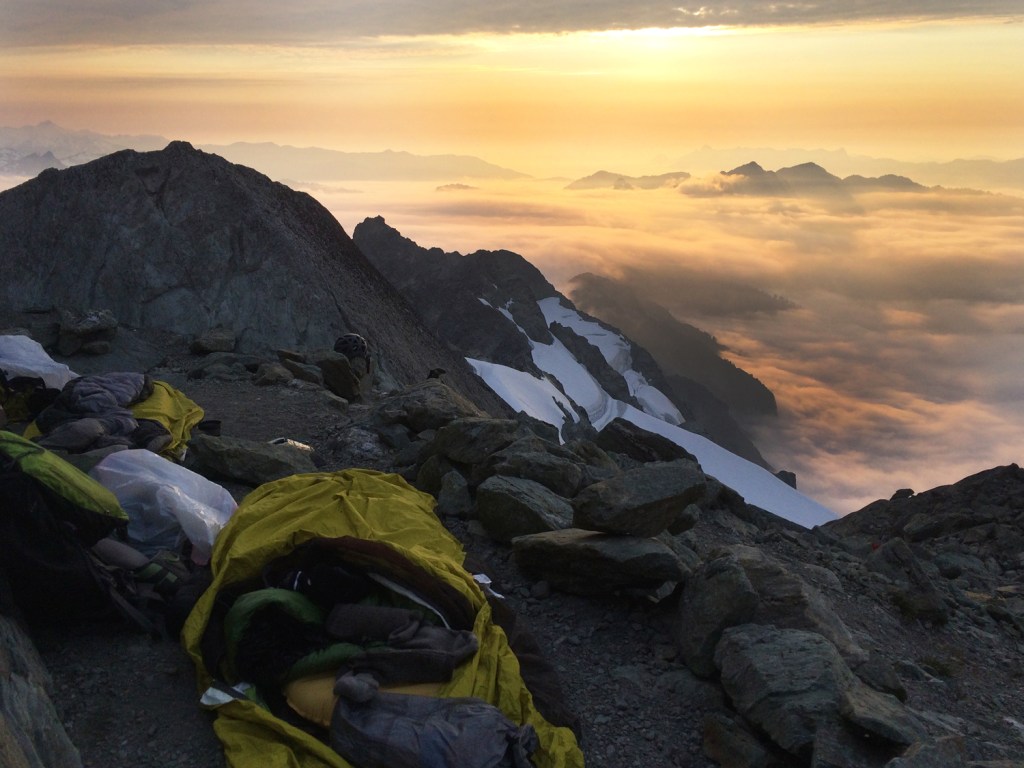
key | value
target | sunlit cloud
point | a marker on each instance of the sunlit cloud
(232, 21)
(893, 337)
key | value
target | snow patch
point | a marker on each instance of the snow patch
(618, 353)
(537, 397)
(525, 392)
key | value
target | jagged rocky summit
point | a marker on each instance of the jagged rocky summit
(544, 356)
(182, 240)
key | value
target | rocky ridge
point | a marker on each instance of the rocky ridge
(663, 600)
(485, 305)
(183, 240)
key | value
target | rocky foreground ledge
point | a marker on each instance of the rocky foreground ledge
(688, 628)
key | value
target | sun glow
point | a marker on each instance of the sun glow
(552, 103)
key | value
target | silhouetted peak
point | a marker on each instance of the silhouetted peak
(807, 172)
(749, 169)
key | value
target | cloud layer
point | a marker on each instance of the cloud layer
(895, 348)
(64, 22)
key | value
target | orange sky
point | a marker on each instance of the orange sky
(553, 103)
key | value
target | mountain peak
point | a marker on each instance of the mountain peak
(182, 240)
(747, 169)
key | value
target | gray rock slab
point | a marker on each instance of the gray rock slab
(429, 404)
(732, 743)
(785, 600)
(718, 595)
(881, 714)
(31, 732)
(474, 440)
(641, 502)
(511, 506)
(246, 461)
(939, 752)
(561, 475)
(784, 681)
(591, 563)
(454, 498)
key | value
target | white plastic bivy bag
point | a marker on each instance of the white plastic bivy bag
(164, 502)
(22, 356)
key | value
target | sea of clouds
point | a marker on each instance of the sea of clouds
(889, 325)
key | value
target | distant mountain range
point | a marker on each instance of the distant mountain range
(26, 151)
(315, 164)
(810, 179)
(608, 179)
(806, 179)
(62, 147)
(976, 173)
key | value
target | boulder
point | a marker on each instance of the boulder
(915, 593)
(718, 595)
(219, 339)
(243, 365)
(940, 752)
(31, 733)
(430, 404)
(511, 506)
(535, 459)
(838, 745)
(305, 372)
(881, 675)
(590, 563)
(246, 461)
(475, 440)
(431, 473)
(785, 600)
(784, 681)
(272, 373)
(337, 375)
(731, 743)
(642, 502)
(78, 330)
(454, 499)
(794, 686)
(881, 715)
(599, 465)
(625, 437)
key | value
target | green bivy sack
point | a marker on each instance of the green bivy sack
(373, 528)
(51, 513)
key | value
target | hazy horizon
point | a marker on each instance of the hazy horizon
(545, 89)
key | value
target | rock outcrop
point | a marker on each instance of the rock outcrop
(183, 240)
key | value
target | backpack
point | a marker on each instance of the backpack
(51, 515)
(22, 397)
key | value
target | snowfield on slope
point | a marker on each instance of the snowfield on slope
(617, 351)
(756, 485)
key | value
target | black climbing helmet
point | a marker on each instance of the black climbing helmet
(352, 345)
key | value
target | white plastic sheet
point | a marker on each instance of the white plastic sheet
(22, 356)
(165, 501)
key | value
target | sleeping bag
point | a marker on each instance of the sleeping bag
(334, 582)
(51, 513)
